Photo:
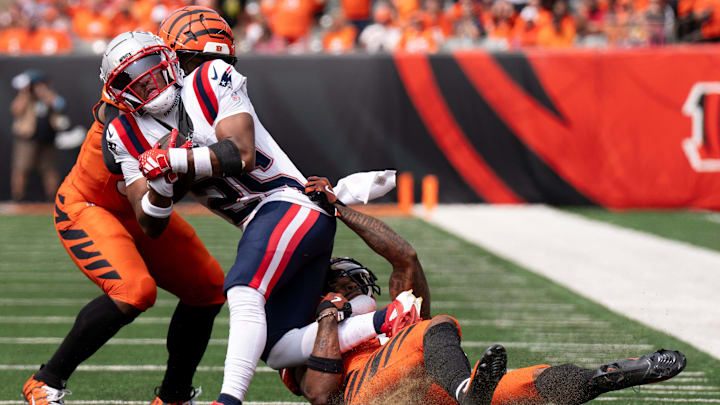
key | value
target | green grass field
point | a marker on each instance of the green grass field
(495, 301)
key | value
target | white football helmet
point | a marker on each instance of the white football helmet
(139, 71)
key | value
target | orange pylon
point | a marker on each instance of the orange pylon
(429, 193)
(405, 192)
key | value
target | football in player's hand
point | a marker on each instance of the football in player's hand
(184, 181)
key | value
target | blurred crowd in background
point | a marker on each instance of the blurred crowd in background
(342, 26)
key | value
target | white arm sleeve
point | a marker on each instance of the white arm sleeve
(296, 345)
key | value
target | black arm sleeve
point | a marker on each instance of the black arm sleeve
(228, 155)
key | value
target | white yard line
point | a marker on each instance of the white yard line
(119, 367)
(667, 285)
(102, 402)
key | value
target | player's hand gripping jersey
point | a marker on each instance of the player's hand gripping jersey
(214, 91)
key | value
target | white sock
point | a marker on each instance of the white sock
(296, 345)
(248, 333)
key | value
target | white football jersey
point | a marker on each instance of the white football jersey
(214, 91)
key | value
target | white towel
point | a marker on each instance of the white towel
(359, 188)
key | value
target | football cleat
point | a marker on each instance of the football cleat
(193, 394)
(38, 393)
(485, 376)
(402, 312)
(650, 368)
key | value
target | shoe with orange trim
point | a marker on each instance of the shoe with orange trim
(650, 368)
(38, 393)
(485, 377)
(191, 401)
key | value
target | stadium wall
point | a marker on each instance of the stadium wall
(616, 128)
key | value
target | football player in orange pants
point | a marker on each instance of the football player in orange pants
(102, 224)
(424, 363)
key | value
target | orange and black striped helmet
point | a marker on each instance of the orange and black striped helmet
(197, 30)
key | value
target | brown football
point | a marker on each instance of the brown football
(184, 182)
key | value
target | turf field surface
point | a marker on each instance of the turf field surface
(495, 300)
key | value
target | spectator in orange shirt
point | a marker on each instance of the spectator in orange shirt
(48, 41)
(527, 25)
(340, 36)
(416, 39)
(50, 36)
(498, 24)
(561, 32)
(357, 12)
(291, 20)
(434, 18)
(13, 40)
(89, 21)
(405, 9)
(708, 11)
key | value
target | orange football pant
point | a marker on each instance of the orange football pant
(375, 373)
(111, 249)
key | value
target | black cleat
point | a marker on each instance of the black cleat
(650, 368)
(485, 376)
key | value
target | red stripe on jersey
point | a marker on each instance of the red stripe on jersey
(204, 93)
(273, 245)
(290, 250)
(130, 134)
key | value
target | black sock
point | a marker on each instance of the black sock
(566, 384)
(379, 319)
(187, 339)
(94, 325)
(445, 362)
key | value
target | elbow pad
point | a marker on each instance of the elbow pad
(228, 156)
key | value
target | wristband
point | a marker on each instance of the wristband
(325, 315)
(203, 165)
(228, 157)
(325, 365)
(178, 160)
(154, 210)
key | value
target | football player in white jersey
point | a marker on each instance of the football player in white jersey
(240, 173)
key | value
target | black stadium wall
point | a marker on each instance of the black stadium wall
(611, 128)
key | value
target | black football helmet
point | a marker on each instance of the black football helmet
(363, 277)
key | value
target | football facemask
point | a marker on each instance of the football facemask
(345, 267)
(142, 78)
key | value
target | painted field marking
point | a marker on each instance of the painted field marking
(103, 402)
(592, 258)
(119, 367)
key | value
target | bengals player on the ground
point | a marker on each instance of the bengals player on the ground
(424, 363)
(98, 225)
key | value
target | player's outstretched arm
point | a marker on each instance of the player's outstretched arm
(407, 271)
(321, 381)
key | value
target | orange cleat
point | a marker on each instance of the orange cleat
(38, 393)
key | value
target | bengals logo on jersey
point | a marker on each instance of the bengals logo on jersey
(702, 148)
